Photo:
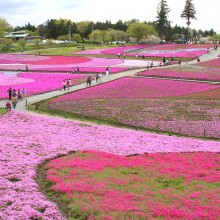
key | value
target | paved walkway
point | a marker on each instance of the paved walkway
(22, 105)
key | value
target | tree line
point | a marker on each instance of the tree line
(63, 29)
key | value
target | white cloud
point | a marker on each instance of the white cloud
(20, 12)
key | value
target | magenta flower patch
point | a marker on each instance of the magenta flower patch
(148, 186)
(141, 88)
(36, 83)
(211, 63)
(208, 74)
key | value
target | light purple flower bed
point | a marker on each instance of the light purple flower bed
(116, 102)
(141, 88)
(156, 50)
(124, 49)
(13, 66)
(42, 82)
(181, 74)
(38, 138)
(114, 50)
(169, 54)
(13, 58)
(9, 81)
(81, 69)
(92, 65)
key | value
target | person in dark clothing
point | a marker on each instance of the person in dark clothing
(89, 80)
(9, 93)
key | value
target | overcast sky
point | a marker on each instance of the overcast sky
(20, 12)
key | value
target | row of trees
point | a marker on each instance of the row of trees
(163, 24)
(64, 29)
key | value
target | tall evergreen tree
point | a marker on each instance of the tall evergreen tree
(162, 24)
(188, 12)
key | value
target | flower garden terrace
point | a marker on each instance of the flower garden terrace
(189, 108)
(188, 72)
(108, 186)
(212, 63)
(36, 83)
(189, 51)
(185, 180)
(20, 62)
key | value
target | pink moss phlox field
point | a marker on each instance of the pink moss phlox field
(93, 65)
(41, 82)
(29, 139)
(181, 74)
(175, 50)
(170, 53)
(211, 63)
(8, 80)
(17, 58)
(128, 186)
(142, 107)
(141, 88)
(181, 46)
(114, 51)
(41, 60)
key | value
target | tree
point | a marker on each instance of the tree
(37, 42)
(188, 13)
(96, 36)
(22, 43)
(77, 38)
(162, 24)
(7, 43)
(4, 27)
(140, 30)
(84, 28)
(28, 27)
(119, 25)
(63, 37)
(116, 35)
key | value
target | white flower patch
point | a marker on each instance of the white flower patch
(137, 63)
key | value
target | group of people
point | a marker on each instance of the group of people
(119, 55)
(67, 83)
(75, 69)
(14, 96)
(98, 79)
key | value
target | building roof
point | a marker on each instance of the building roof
(17, 34)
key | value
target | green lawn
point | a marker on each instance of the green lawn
(2, 111)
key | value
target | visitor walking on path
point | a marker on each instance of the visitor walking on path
(9, 93)
(97, 77)
(89, 81)
(14, 101)
(108, 70)
(64, 85)
(23, 93)
(19, 95)
(70, 82)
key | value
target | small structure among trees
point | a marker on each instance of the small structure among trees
(24, 35)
